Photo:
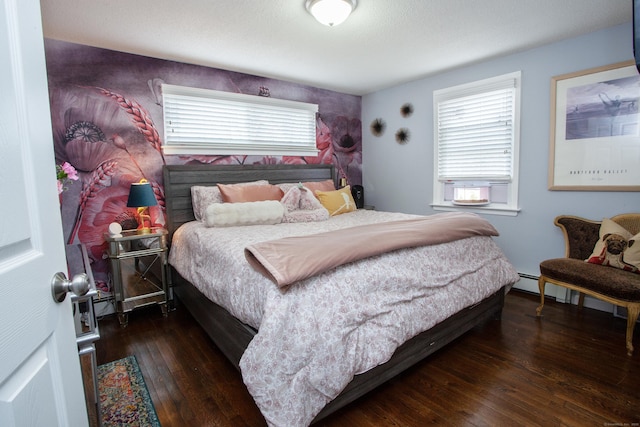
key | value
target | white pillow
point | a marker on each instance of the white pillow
(244, 213)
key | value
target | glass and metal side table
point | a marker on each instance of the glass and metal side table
(139, 268)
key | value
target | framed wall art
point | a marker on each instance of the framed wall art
(595, 130)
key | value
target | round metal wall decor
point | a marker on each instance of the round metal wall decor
(402, 136)
(377, 127)
(406, 110)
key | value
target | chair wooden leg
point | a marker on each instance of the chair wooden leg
(580, 299)
(541, 284)
(632, 317)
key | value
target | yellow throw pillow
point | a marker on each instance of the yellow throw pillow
(338, 201)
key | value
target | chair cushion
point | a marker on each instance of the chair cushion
(609, 281)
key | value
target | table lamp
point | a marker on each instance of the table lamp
(141, 196)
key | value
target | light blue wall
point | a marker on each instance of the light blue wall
(400, 177)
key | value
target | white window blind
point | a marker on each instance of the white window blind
(477, 137)
(200, 121)
(475, 131)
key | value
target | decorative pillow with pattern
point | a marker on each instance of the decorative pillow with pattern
(612, 247)
(202, 196)
(338, 201)
(300, 205)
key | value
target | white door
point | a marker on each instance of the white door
(40, 379)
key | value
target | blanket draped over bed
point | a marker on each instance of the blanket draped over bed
(290, 259)
(314, 336)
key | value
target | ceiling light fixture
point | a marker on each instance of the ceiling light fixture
(330, 12)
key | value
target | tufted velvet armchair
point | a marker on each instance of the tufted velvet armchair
(609, 284)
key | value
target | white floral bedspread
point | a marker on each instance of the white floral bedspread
(315, 336)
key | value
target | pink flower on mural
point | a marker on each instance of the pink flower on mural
(100, 178)
(105, 207)
(346, 134)
(347, 141)
(323, 144)
(68, 171)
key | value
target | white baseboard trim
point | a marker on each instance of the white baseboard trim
(591, 302)
(529, 283)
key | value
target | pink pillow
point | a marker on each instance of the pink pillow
(203, 196)
(326, 185)
(232, 193)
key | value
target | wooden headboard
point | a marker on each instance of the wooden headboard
(178, 180)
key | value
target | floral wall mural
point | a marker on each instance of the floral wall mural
(106, 109)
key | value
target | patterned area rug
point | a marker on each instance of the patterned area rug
(124, 397)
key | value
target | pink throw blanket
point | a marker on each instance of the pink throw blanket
(290, 259)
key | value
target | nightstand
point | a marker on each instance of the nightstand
(86, 325)
(139, 268)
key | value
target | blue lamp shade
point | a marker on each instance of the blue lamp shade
(141, 195)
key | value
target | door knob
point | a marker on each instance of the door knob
(60, 285)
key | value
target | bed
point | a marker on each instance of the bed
(234, 335)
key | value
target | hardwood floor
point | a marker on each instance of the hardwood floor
(568, 368)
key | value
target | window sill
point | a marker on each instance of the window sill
(492, 209)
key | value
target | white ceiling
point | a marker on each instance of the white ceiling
(383, 43)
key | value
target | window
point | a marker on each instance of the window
(200, 121)
(476, 134)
